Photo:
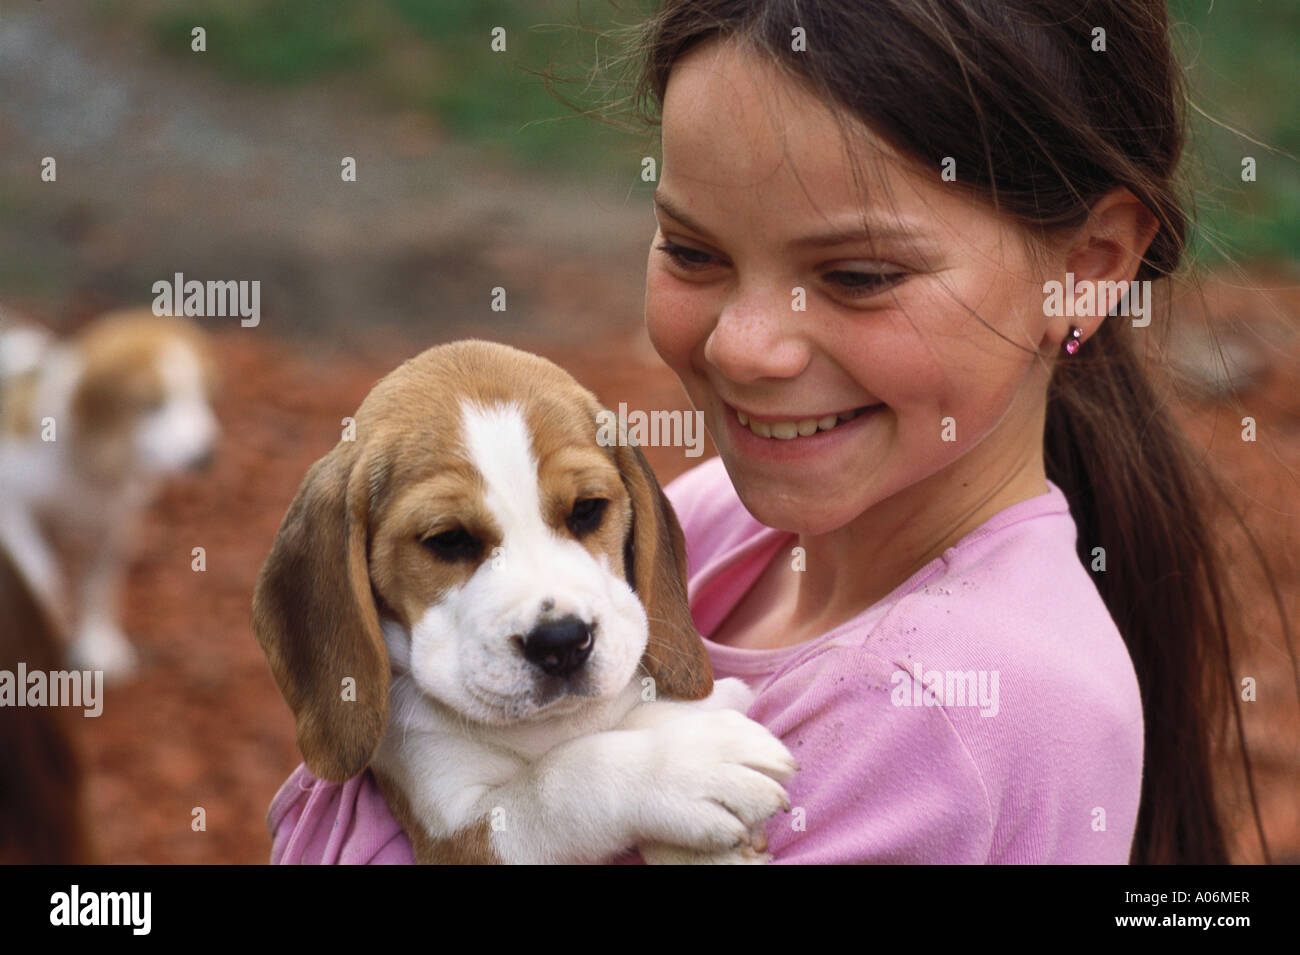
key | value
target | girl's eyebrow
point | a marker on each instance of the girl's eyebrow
(881, 230)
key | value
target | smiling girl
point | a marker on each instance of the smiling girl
(950, 536)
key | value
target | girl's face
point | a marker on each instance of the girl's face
(757, 200)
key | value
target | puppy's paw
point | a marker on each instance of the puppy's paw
(717, 780)
(656, 854)
(753, 852)
(728, 694)
(103, 646)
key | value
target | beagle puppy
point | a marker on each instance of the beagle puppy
(89, 428)
(487, 608)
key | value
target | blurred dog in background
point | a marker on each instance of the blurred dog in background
(89, 428)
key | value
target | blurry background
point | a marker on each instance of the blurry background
(470, 174)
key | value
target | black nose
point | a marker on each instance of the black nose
(559, 646)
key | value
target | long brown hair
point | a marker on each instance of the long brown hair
(1042, 119)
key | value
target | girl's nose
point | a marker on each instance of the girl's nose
(751, 342)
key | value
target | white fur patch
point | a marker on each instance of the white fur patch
(56, 386)
(22, 348)
(183, 430)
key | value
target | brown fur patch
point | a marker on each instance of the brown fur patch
(675, 656)
(470, 846)
(316, 621)
(16, 405)
(119, 381)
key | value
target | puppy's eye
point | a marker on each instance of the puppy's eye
(454, 545)
(148, 402)
(586, 516)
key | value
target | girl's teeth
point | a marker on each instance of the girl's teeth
(785, 430)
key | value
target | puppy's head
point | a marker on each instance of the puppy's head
(514, 567)
(140, 394)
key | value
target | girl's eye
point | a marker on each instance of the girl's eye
(861, 284)
(848, 284)
(684, 256)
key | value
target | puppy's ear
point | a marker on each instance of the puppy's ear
(315, 618)
(655, 560)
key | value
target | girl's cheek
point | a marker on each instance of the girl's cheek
(903, 361)
(676, 322)
(942, 357)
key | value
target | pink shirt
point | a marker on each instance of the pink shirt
(313, 822)
(985, 711)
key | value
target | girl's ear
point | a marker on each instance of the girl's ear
(1108, 248)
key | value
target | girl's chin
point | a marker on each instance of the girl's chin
(796, 510)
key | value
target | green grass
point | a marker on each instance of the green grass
(434, 55)
(1241, 63)
(287, 41)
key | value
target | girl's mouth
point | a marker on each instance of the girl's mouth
(798, 428)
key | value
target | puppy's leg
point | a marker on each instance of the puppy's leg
(728, 694)
(31, 554)
(660, 854)
(697, 782)
(703, 781)
(98, 642)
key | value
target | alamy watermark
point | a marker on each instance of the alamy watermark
(130, 909)
(213, 299)
(654, 429)
(83, 688)
(1088, 299)
(949, 688)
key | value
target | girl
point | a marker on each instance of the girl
(950, 537)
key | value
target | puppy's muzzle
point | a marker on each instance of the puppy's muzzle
(559, 647)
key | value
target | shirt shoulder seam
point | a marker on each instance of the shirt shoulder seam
(952, 727)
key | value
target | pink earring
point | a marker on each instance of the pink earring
(1074, 341)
